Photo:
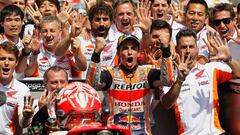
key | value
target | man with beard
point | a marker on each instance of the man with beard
(128, 85)
(196, 16)
(196, 107)
(100, 17)
(225, 22)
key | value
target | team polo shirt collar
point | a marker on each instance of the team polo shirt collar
(8, 86)
(45, 51)
(115, 33)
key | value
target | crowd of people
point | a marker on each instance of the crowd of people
(134, 52)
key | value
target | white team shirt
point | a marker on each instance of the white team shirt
(202, 47)
(47, 59)
(176, 27)
(15, 92)
(196, 108)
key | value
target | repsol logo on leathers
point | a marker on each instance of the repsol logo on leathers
(130, 86)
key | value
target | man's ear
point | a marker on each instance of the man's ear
(235, 20)
(207, 19)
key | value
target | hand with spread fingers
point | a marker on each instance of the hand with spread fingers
(237, 39)
(78, 24)
(183, 68)
(28, 109)
(89, 3)
(35, 45)
(154, 55)
(47, 97)
(210, 40)
(218, 49)
(34, 13)
(144, 15)
(65, 13)
(177, 14)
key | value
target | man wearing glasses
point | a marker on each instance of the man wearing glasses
(225, 22)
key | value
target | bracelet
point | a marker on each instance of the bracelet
(24, 53)
(36, 53)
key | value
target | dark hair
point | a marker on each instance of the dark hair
(185, 33)
(224, 7)
(159, 24)
(168, 1)
(10, 48)
(54, 69)
(100, 8)
(9, 10)
(55, 2)
(202, 2)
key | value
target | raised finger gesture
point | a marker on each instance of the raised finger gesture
(177, 14)
(182, 66)
(237, 39)
(89, 3)
(65, 13)
(154, 55)
(144, 15)
(28, 108)
(43, 100)
(35, 45)
(78, 25)
(221, 50)
(34, 13)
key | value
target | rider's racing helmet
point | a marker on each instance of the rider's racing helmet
(77, 103)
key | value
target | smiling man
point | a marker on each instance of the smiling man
(44, 57)
(224, 20)
(196, 107)
(128, 85)
(124, 19)
(196, 16)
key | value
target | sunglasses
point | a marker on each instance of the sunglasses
(225, 21)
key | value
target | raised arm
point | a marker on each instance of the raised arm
(171, 96)
(219, 51)
(80, 60)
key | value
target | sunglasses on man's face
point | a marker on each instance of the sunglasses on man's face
(225, 21)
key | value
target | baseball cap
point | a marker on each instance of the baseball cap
(125, 38)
